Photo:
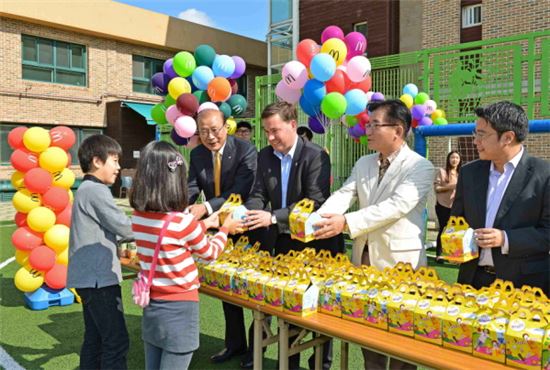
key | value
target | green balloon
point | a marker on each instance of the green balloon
(351, 120)
(421, 98)
(168, 100)
(440, 121)
(202, 96)
(226, 109)
(238, 104)
(364, 140)
(334, 105)
(205, 55)
(184, 63)
(158, 114)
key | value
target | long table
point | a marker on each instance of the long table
(323, 326)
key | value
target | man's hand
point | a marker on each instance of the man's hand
(197, 210)
(332, 225)
(256, 219)
(489, 238)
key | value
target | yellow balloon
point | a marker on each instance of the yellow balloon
(57, 237)
(24, 201)
(231, 125)
(71, 196)
(178, 86)
(63, 179)
(40, 219)
(437, 114)
(63, 257)
(36, 139)
(336, 48)
(407, 100)
(28, 280)
(22, 257)
(53, 159)
(17, 180)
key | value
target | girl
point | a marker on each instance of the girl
(170, 325)
(445, 185)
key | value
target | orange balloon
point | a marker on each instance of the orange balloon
(219, 89)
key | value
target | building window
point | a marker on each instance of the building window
(242, 83)
(53, 61)
(361, 27)
(471, 15)
(143, 69)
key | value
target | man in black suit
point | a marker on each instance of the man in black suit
(505, 198)
(289, 169)
(220, 166)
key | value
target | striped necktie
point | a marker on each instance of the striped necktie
(217, 173)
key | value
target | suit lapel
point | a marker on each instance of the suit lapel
(480, 187)
(519, 179)
(227, 161)
(208, 165)
(391, 172)
(275, 176)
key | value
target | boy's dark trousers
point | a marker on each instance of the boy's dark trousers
(106, 340)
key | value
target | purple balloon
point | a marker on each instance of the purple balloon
(159, 81)
(240, 67)
(418, 111)
(425, 121)
(178, 140)
(332, 32)
(315, 125)
(377, 96)
(356, 131)
(168, 68)
(356, 44)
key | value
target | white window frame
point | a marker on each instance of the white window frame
(468, 15)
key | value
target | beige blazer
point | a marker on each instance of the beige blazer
(391, 214)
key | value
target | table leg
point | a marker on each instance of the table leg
(344, 355)
(283, 344)
(258, 348)
(318, 354)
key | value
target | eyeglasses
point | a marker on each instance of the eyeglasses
(369, 126)
(244, 131)
(213, 131)
(481, 135)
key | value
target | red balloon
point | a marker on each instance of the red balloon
(414, 123)
(364, 85)
(38, 180)
(306, 50)
(20, 219)
(56, 278)
(339, 82)
(26, 239)
(56, 198)
(64, 217)
(363, 118)
(15, 137)
(234, 86)
(187, 104)
(42, 258)
(63, 137)
(23, 160)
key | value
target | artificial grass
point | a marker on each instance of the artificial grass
(51, 339)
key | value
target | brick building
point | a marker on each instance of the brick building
(81, 65)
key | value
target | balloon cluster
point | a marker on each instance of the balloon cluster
(43, 204)
(330, 80)
(192, 82)
(424, 110)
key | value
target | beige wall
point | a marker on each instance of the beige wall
(410, 25)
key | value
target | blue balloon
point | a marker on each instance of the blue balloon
(223, 66)
(356, 100)
(322, 67)
(201, 77)
(309, 108)
(315, 91)
(410, 89)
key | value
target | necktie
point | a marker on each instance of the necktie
(383, 168)
(217, 174)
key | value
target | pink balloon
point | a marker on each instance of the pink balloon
(356, 44)
(207, 105)
(172, 114)
(294, 74)
(358, 68)
(284, 92)
(330, 32)
(185, 126)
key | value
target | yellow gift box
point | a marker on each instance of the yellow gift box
(229, 206)
(376, 307)
(274, 288)
(300, 294)
(354, 297)
(458, 321)
(401, 307)
(524, 339)
(457, 241)
(301, 220)
(488, 338)
(256, 281)
(428, 315)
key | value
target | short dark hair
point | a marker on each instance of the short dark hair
(100, 146)
(156, 188)
(285, 110)
(244, 124)
(396, 113)
(506, 116)
(303, 130)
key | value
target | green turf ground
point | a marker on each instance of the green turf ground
(51, 339)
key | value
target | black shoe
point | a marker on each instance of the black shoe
(226, 354)
(247, 363)
(439, 260)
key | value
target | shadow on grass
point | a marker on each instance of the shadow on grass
(10, 296)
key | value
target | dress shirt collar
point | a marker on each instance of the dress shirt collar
(290, 152)
(513, 163)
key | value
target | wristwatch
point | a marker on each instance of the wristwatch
(273, 219)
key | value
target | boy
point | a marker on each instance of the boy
(94, 269)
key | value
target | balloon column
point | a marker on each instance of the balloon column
(330, 81)
(43, 204)
(195, 81)
(424, 110)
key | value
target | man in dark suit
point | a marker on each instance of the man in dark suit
(289, 169)
(505, 198)
(220, 166)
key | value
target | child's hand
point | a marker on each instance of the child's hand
(212, 221)
(233, 225)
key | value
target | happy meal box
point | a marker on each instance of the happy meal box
(300, 294)
(376, 306)
(428, 315)
(274, 288)
(330, 296)
(458, 242)
(457, 323)
(239, 285)
(301, 220)
(256, 281)
(546, 348)
(401, 307)
(524, 339)
(229, 206)
(488, 336)
(354, 298)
